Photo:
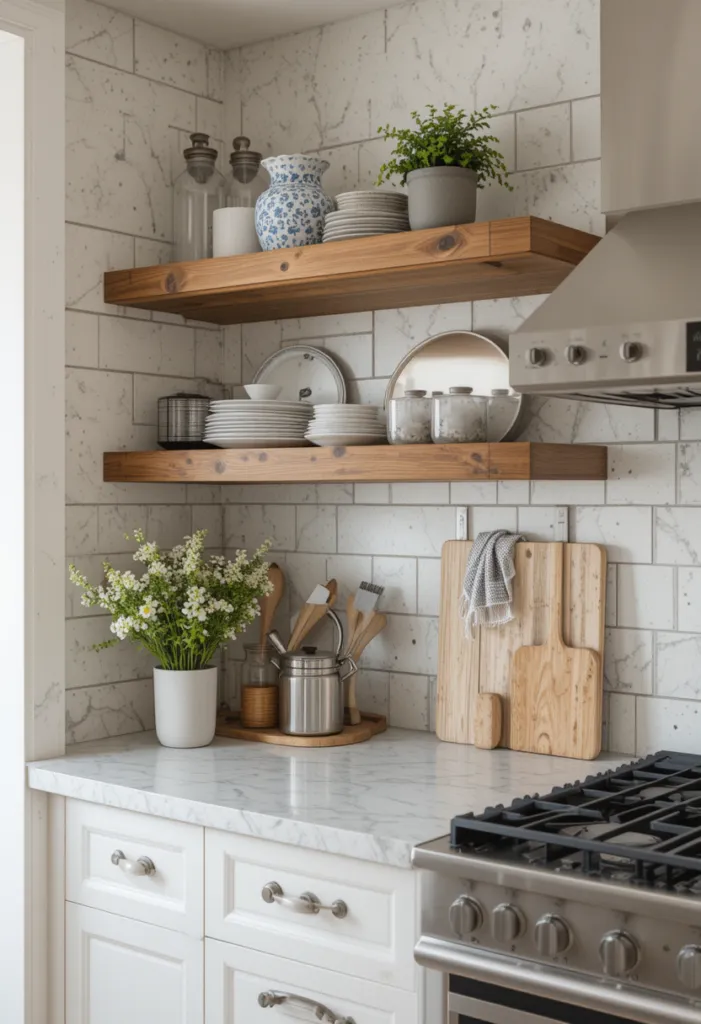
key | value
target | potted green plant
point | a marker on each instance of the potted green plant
(443, 161)
(181, 610)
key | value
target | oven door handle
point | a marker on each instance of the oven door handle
(546, 982)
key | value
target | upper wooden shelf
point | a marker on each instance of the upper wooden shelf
(489, 260)
(382, 463)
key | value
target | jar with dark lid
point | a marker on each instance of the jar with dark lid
(197, 193)
(247, 179)
(460, 417)
(181, 421)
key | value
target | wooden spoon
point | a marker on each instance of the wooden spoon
(313, 612)
(372, 624)
(268, 606)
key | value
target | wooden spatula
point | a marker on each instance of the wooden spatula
(268, 605)
(554, 688)
(320, 600)
(372, 624)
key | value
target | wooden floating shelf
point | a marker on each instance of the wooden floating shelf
(488, 260)
(378, 463)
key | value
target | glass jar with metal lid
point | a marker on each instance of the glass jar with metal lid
(409, 418)
(197, 193)
(502, 410)
(459, 417)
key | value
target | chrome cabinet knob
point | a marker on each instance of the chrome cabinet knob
(465, 916)
(689, 967)
(140, 866)
(507, 923)
(552, 936)
(576, 354)
(535, 357)
(631, 351)
(619, 954)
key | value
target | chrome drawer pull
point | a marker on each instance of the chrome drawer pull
(321, 1012)
(142, 866)
(307, 903)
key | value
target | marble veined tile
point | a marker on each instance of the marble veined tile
(100, 34)
(170, 58)
(97, 712)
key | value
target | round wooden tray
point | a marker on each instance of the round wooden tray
(229, 725)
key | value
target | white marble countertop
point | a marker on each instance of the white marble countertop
(373, 801)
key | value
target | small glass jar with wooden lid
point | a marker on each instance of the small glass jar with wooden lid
(259, 690)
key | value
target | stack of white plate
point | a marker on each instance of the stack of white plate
(243, 423)
(346, 424)
(360, 214)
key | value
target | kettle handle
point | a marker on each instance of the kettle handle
(339, 631)
(352, 668)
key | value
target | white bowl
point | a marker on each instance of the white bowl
(263, 392)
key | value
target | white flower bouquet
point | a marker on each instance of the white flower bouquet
(182, 609)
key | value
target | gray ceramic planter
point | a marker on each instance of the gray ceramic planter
(441, 196)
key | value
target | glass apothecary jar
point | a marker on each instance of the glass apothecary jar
(259, 690)
(198, 192)
(247, 179)
(459, 417)
(502, 410)
(409, 419)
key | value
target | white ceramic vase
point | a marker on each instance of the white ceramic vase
(186, 707)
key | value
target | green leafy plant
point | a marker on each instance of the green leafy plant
(448, 138)
(183, 608)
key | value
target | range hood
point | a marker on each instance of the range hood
(625, 326)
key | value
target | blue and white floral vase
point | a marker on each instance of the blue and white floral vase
(293, 210)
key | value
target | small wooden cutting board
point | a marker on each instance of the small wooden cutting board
(556, 690)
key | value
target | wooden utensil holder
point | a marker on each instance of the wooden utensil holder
(259, 707)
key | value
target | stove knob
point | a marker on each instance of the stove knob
(576, 354)
(631, 351)
(689, 967)
(535, 357)
(552, 936)
(619, 954)
(465, 916)
(507, 923)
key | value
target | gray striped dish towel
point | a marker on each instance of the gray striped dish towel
(487, 592)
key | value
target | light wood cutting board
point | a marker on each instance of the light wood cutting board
(555, 689)
(466, 668)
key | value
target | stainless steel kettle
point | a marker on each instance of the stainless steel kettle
(311, 686)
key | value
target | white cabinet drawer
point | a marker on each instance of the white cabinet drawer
(236, 979)
(171, 896)
(120, 971)
(375, 938)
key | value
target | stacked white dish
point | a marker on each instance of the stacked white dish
(243, 423)
(371, 212)
(346, 424)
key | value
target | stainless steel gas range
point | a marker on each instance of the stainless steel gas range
(579, 907)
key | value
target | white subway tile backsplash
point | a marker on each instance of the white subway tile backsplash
(169, 58)
(568, 492)
(316, 528)
(429, 586)
(543, 136)
(470, 492)
(81, 339)
(148, 389)
(621, 724)
(513, 492)
(397, 331)
(689, 600)
(96, 712)
(144, 347)
(232, 371)
(690, 424)
(352, 353)
(209, 355)
(100, 34)
(350, 571)
(408, 701)
(394, 530)
(164, 524)
(628, 664)
(626, 532)
(646, 596)
(86, 667)
(664, 724)
(372, 691)
(483, 518)
(372, 494)
(678, 536)
(565, 421)
(421, 494)
(678, 658)
(409, 643)
(81, 530)
(399, 578)
(92, 252)
(667, 424)
(689, 469)
(248, 526)
(538, 524)
(586, 129)
(641, 474)
(326, 326)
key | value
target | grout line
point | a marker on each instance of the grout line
(143, 78)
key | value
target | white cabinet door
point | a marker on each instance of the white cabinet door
(248, 987)
(120, 971)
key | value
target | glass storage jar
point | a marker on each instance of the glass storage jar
(502, 409)
(247, 180)
(198, 192)
(409, 419)
(459, 417)
(259, 690)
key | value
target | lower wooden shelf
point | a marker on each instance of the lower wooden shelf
(378, 463)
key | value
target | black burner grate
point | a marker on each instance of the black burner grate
(644, 824)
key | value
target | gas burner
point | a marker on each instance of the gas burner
(589, 830)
